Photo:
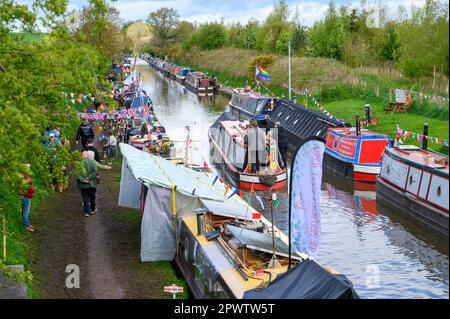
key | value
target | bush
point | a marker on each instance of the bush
(263, 61)
(210, 36)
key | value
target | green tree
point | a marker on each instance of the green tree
(211, 36)
(163, 22)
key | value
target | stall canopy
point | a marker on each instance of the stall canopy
(155, 170)
(307, 280)
(167, 183)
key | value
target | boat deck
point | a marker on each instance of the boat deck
(351, 132)
(422, 157)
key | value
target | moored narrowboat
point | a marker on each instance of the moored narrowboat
(355, 155)
(200, 83)
(230, 150)
(298, 121)
(181, 74)
(416, 181)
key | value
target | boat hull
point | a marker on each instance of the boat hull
(391, 196)
(200, 91)
(180, 80)
(344, 169)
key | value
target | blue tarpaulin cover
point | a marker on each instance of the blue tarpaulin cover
(307, 280)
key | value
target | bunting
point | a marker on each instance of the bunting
(400, 133)
(307, 94)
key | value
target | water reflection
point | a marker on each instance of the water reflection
(358, 234)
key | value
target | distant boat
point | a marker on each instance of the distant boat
(200, 83)
(353, 156)
(416, 181)
(182, 74)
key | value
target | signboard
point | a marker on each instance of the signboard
(400, 96)
(174, 289)
(343, 146)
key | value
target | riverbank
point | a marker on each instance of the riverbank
(105, 247)
(342, 91)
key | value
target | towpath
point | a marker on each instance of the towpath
(104, 246)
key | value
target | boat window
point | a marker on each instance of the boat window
(239, 156)
(261, 104)
(226, 145)
(439, 191)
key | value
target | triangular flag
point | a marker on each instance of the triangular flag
(226, 190)
(215, 179)
(260, 201)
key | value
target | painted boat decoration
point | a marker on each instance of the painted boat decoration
(355, 156)
(298, 121)
(415, 181)
(221, 245)
(200, 83)
(229, 151)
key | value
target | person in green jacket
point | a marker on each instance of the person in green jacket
(87, 183)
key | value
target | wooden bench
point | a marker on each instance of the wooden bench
(396, 107)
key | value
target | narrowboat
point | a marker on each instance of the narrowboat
(415, 181)
(222, 246)
(166, 69)
(298, 121)
(173, 72)
(200, 83)
(181, 74)
(355, 155)
(230, 152)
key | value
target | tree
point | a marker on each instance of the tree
(327, 37)
(276, 23)
(390, 45)
(100, 27)
(163, 23)
(209, 36)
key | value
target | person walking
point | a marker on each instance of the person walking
(87, 183)
(85, 131)
(283, 143)
(26, 198)
(112, 146)
(90, 147)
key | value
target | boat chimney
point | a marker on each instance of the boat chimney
(200, 220)
(425, 139)
(358, 126)
(367, 108)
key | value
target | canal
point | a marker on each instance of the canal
(384, 254)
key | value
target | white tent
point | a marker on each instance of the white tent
(168, 184)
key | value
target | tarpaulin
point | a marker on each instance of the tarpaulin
(307, 280)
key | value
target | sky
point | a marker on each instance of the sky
(234, 10)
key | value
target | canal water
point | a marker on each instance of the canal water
(384, 254)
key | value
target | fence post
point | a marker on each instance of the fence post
(4, 233)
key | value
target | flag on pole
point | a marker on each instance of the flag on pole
(261, 73)
(304, 201)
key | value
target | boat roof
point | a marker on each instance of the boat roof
(350, 132)
(251, 93)
(416, 156)
(155, 170)
(260, 241)
(235, 128)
